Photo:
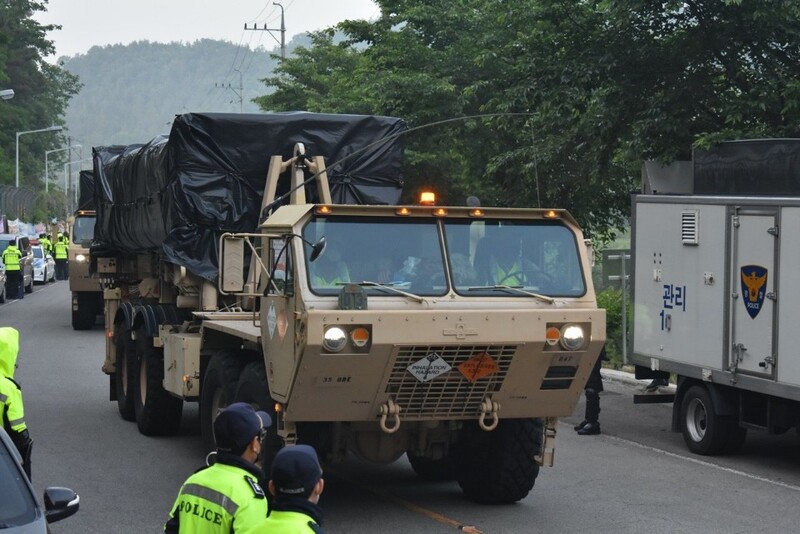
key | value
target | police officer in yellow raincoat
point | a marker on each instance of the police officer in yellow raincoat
(228, 495)
(11, 408)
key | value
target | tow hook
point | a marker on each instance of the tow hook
(488, 406)
(390, 408)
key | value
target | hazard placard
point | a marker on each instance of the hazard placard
(429, 367)
(479, 366)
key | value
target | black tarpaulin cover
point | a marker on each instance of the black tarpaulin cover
(750, 167)
(177, 195)
(86, 190)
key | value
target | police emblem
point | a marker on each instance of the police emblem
(754, 287)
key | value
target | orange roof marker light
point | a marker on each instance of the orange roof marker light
(323, 210)
(477, 212)
(403, 211)
(551, 214)
(440, 212)
(427, 198)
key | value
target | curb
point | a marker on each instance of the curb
(630, 379)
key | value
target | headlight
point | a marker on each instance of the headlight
(572, 337)
(80, 258)
(335, 339)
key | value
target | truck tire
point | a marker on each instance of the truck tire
(441, 470)
(29, 287)
(498, 467)
(157, 412)
(220, 381)
(254, 389)
(125, 360)
(704, 430)
(83, 318)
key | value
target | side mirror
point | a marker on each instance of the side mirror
(231, 264)
(60, 503)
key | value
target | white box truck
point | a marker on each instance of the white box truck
(716, 247)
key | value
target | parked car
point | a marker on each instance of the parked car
(20, 512)
(26, 262)
(44, 266)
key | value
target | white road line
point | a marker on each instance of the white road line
(705, 464)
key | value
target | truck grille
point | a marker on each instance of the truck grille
(449, 394)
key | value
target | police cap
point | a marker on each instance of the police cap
(295, 471)
(237, 425)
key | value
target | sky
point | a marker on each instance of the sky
(88, 23)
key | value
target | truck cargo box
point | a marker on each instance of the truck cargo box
(177, 194)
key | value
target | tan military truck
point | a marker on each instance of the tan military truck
(454, 335)
(87, 293)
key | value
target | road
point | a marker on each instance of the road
(635, 477)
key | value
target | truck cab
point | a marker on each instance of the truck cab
(87, 293)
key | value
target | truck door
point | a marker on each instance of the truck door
(753, 291)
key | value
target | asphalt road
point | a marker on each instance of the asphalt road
(635, 477)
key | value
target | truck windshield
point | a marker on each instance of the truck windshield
(489, 257)
(83, 230)
(402, 253)
(539, 256)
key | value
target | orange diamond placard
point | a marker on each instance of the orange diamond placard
(478, 366)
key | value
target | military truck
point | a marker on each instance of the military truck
(716, 245)
(87, 293)
(361, 325)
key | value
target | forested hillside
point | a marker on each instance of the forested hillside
(130, 93)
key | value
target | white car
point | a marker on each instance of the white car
(44, 266)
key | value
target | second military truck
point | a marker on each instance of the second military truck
(265, 259)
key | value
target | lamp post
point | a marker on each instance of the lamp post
(46, 168)
(50, 129)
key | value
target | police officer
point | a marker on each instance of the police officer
(47, 246)
(226, 496)
(591, 425)
(296, 485)
(61, 248)
(11, 258)
(12, 410)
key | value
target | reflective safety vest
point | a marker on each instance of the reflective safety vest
(288, 523)
(320, 281)
(46, 245)
(220, 498)
(12, 412)
(61, 249)
(11, 257)
(501, 276)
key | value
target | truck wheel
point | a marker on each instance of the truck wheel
(498, 467)
(157, 412)
(219, 389)
(254, 389)
(83, 318)
(440, 470)
(125, 359)
(704, 431)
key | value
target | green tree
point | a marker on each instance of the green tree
(591, 89)
(42, 91)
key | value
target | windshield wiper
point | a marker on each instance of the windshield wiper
(392, 289)
(515, 289)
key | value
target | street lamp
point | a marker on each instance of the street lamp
(46, 168)
(6, 94)
(50, 129)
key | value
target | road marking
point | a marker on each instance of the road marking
(430, 514)
(706, 464)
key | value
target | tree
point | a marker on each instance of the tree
(42, 91)
(579, 92)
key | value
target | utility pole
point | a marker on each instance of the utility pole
(282, 29)
(239, 94)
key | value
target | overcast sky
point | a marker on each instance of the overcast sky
(87, 23)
